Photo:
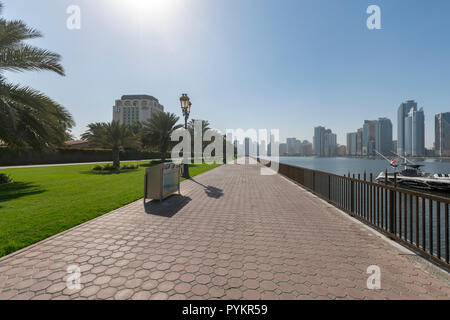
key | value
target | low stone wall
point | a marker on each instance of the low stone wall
(29, 157)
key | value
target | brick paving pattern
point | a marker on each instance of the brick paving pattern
(234, 234)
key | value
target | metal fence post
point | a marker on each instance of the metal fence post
(391, 211)
(352, 196)
(314, 181)
(329, 187)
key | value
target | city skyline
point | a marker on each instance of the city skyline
(321, 62)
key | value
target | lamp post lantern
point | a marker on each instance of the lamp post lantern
(186, 108)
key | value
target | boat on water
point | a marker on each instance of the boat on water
(411, 176)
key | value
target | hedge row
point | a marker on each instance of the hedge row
(62, 155)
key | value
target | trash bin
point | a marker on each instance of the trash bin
(162, 180)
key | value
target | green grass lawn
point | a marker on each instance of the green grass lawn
(47, 200)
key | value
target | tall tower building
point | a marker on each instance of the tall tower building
(359, 141)
(383, 136)
(330, 144)
(368, 137)
(414, 134)
(442, 134)
(324, 142)
(402, 114)
(133, 108)
(351, 143)
(318, 141)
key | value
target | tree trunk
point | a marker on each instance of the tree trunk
(116, 158)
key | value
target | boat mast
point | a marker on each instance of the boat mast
(392, 163)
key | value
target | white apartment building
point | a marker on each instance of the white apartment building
(133, 108)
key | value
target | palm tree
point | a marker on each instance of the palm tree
(113, 135)
(28, 118)
(205, 127)
(158, 130)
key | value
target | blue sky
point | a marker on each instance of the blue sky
(288, 64)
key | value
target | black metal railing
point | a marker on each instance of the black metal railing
(418, 220)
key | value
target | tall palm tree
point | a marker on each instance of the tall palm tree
(28, 118)
(157, 131)
(113, 135)
(205, 128)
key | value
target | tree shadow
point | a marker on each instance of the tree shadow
(211, 191)
(108, 173)
(168, 207)
(18, 190)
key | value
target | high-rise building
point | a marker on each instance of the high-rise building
(325, 142)
(442, 134)
(283, 149)
(133, 108)
(383, 136)
(293, 146)
(403, 111)
(359, 141)
(414, 134)
(351, 143)
(306, 148)
(318, 140)
(368, 137)
(330, 144)
(394, 145)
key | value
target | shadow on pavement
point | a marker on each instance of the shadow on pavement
(168, 207)
(211, 191)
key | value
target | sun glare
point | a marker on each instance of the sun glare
(151, 7)
(156, 13)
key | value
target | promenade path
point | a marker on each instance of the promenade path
(233, 234)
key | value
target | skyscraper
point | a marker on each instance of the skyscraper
(283, 149)
(293, 146)
(330, 144)
(325, 142)
(318, 142)
(351, 143)
(359, 141)
(383, 136)
(414, 134)
(442, 134)
(402, 113)
(306, 148)
(368, 137)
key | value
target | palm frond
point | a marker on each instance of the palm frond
(12, 33)
(29, 58)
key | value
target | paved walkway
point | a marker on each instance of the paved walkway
(233, 235)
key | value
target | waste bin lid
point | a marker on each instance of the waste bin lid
(170, 164)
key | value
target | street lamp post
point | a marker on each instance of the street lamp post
(186, 108)
(224, 149)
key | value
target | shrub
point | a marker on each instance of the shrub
(4, 178)
(109, 167)
(129, 167)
